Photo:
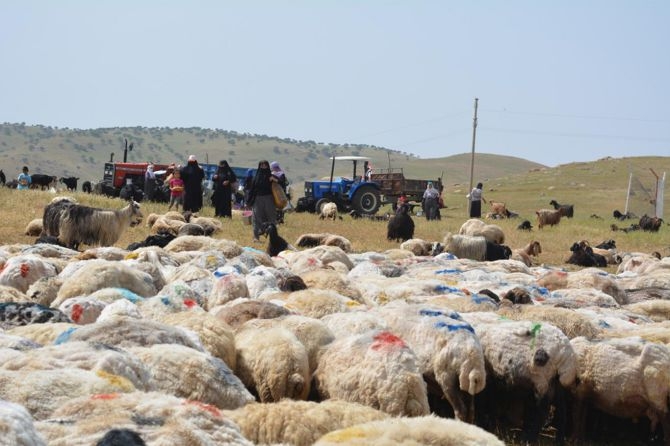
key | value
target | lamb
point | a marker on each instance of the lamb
(329, 211)
(419, 431)
(567, 210)
(272, 363)
(548, 217)
(82, 224)
(299, 423)
(375, 368)
(627, 378)
(400, 226)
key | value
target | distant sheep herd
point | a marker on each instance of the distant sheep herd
(186, 338)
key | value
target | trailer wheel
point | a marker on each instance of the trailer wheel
(367, 200)
(319, 204)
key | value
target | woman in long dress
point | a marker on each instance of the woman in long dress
(192, 174)
(223, 190)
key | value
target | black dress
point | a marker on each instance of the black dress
(223, 193)
(192, 174)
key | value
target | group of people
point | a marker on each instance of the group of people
(432, 201)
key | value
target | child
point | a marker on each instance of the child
(176, 190)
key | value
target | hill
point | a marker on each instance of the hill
(82, 153)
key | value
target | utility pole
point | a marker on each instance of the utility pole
(472, 157)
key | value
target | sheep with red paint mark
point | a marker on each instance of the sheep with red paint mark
(377, 369)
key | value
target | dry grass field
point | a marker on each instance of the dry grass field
(596, 189)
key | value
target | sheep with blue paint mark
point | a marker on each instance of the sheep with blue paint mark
(447, 349)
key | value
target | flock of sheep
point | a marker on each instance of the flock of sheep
(196, 340)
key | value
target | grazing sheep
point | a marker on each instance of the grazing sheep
(83, 224)
(567, 210)
(626, 378)
(525, 360)
(329, 211)
(375, 368)
(299, 423)
(272, 363)
(401, 226)
(418, 431)
(570, 322)
(548, 217)
(448, 352)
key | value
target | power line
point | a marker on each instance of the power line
(406, 126)
(559, 115)
(577, 135)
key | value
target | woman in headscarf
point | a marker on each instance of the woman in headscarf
(149, 183)
(430, 201)
(260, 198)
(223, 190)
(475, 196)
(192, 174)
(278, 173)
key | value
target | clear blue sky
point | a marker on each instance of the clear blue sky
(557, 81)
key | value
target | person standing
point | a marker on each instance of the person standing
(176, 185)
(149, 183)
(278, 173)
(431, 201)
(476, 197)
(223, 190)
(192, 175)
(24, 179)
(260, 199)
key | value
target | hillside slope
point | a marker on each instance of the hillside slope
(82, 153)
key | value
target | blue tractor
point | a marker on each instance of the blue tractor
(355, 193)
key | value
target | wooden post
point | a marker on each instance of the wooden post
(472, 157)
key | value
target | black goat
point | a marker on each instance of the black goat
(607, 244)
(42, 181)
(276, 243)
(525, 226)
(87, 187)
(69, 182)
(3, 178)
(121, 437)
(650, 224)
(567, 210)
(161, 240)
(583, 255)
(495, 251)
(401, 226)
(619, 216)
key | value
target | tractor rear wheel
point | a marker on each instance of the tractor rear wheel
(366, 200)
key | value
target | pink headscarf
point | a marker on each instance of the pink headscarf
(276, 170)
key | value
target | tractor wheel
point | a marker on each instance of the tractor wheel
(367, 200)
(319, 204)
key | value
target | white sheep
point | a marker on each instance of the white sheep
(328, 211)
(375, 368)
(447, 349)
(418, 431)
(194, 375)
(22, 271)
(627, 378)
(353, 323)
(272, 363)
(299, 423)
(17, 426)
(318, 302)
(161, 420)
(466, 246)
